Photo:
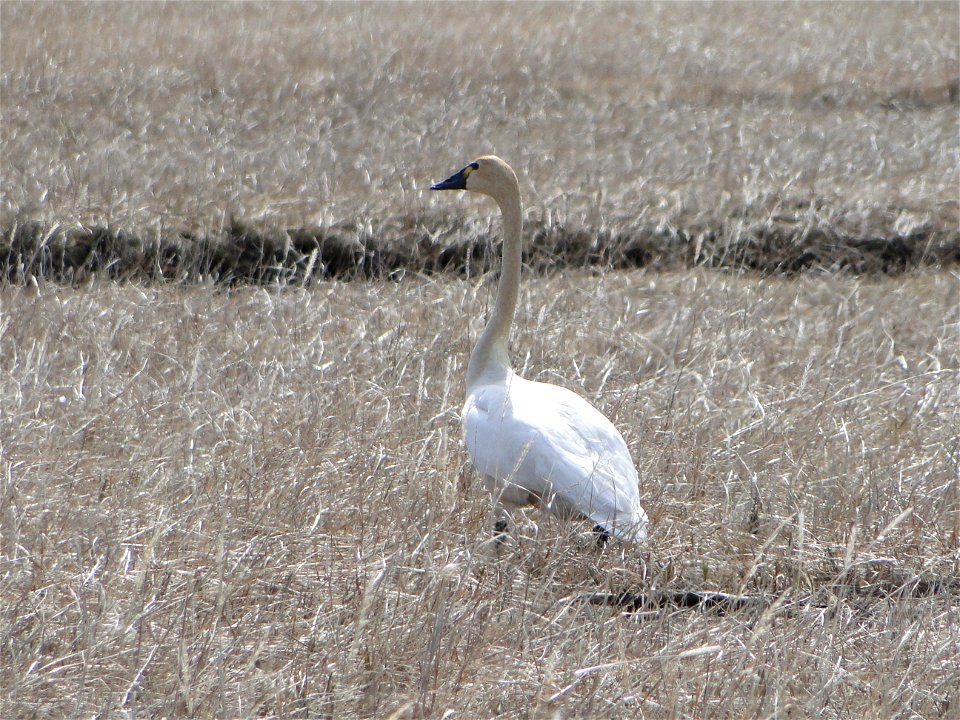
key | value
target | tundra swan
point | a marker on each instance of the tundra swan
(536, 443)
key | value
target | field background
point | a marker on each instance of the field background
(251, 500)
(767, 136)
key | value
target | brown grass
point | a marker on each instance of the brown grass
(701, 134)
(255, 502)
(252, 501)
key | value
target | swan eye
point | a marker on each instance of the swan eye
(470, 168)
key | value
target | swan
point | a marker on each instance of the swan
(535, 443)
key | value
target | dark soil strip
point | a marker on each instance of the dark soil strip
(891, 585)
(244, 253)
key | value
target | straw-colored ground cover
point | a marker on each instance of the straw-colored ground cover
(765, 135)
(252, 501)
(255, 502)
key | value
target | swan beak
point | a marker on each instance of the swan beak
(457, 181)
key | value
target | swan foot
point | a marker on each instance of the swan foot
(602, 536)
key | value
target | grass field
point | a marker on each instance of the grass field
(823, 125)
(251, 501)
(256, 503)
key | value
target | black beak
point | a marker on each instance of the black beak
(457, 181)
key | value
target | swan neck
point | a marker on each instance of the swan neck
(490, 360)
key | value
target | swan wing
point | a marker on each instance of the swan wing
(552, 443)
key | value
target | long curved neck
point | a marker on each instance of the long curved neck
(490, 359)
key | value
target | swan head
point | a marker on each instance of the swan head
(488, 175)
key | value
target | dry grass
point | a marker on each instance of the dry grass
(255, 502)
(641, 121)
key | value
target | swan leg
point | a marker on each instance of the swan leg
(501, 526)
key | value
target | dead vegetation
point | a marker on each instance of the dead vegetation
(278, 143)
(254, 502)
(240, 492)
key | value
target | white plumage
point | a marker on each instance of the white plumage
(536, 443)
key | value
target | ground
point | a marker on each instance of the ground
(240, 499)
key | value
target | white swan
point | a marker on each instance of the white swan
(536, 443)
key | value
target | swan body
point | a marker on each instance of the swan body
(533, 442)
